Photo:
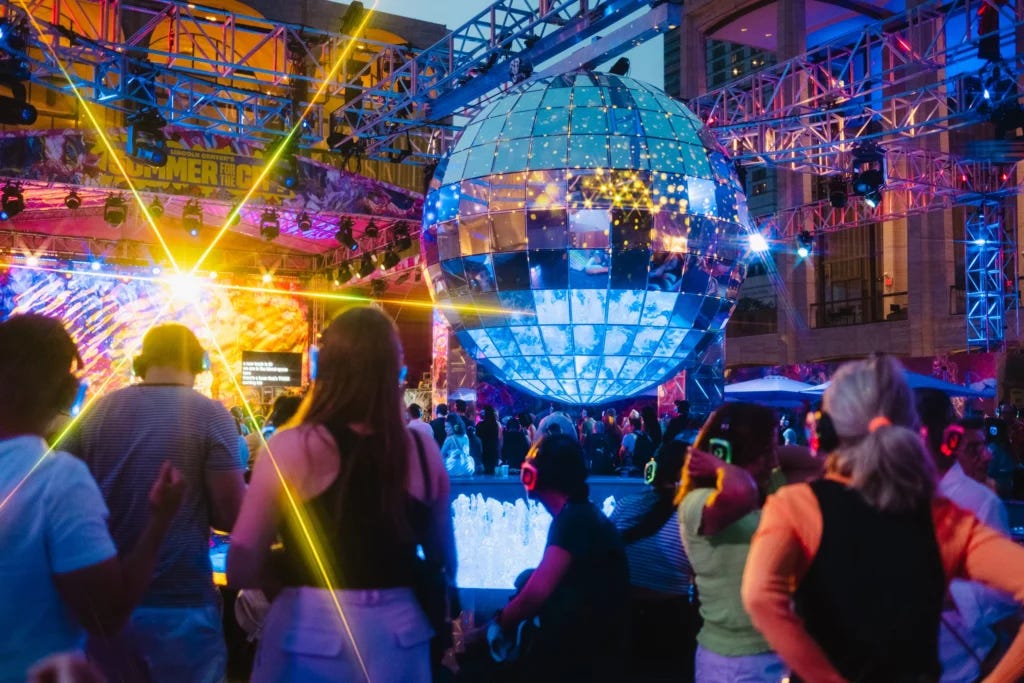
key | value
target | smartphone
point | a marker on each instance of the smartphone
(721, 449)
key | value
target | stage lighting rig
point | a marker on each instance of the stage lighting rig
(804, 244)
(346, 271)
(12, 201)
(372, 231)
(286, 168)
(837, 192)
(14, 70)
(72, 200)
(270, 225)
(304, 222)
(365, 265)
(403, 240)
(146, 142)
(15, 111)
(192, 217)
(114, 210)
(344, 234)
(156, 208)
(378, 287)
(868, 172)
(390, 260)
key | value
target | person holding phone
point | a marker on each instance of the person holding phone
(732, 466)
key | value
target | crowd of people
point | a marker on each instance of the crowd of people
(880, 555)
(610, 446)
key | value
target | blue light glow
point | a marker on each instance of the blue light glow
(603, 209)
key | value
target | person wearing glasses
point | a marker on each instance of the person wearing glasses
(580, 589)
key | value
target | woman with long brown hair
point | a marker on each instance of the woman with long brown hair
(351, 492)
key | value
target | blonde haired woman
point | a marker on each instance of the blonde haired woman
(846, 575)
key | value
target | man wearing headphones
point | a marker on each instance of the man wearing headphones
(965, 633)
(60, 574)
(175, 634)
(580, 589)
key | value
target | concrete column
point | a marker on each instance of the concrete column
(693, 69)
(793, 190)
(929, 235)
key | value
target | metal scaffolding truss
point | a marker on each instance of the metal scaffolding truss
(131, 253)
(455, 75)
(879, 84)
(989, 251)
(919, 182)
(203, 67)
(243, 75)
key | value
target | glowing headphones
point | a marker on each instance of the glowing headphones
(650, 471)
(951, 438)
(528, 475)
(721, 449)
(824, 438)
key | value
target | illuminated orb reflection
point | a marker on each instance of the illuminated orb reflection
(608, 215)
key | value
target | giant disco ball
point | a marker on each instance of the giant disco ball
(607, 222)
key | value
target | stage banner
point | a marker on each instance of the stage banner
(201, 165)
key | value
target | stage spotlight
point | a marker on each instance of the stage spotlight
(156, 208)
(16, 112)
(371, 230)
(804, 244)
(12, 202)
(378, 287)
(390, 260)
(270, 225)
(304, 222)
(192, 217)
(868, 172)
(620, 67)
(146, 142)
(72, 200)
(114, 210)
(346, 271)
(757, 243)
(365, 265)
(837, 192)
(402, 239)
(344, 234)
(352, 18)
(286, 168)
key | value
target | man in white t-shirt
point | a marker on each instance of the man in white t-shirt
(965, 634)
(60, 575)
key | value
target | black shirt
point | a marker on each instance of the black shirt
(585, 622)
(872, 597)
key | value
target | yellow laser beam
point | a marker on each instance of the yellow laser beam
(293, 504)
(276, 156)
(114, 154)
(85, 408)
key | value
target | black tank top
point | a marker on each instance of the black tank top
(872, 597)
(357, 542)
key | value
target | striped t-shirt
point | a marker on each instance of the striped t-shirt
(657, 562)
(124, 439)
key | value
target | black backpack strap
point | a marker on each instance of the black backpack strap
(423, 464)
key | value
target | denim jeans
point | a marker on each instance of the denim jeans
(304, 638)
(761, 668)
(165, 645)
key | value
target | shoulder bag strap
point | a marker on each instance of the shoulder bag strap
(423, 465)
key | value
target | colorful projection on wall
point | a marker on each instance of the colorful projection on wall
(607, 215)
(107, 315)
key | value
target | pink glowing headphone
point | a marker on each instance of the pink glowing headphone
(528, 475)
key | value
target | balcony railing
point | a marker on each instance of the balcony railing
(859, 310)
